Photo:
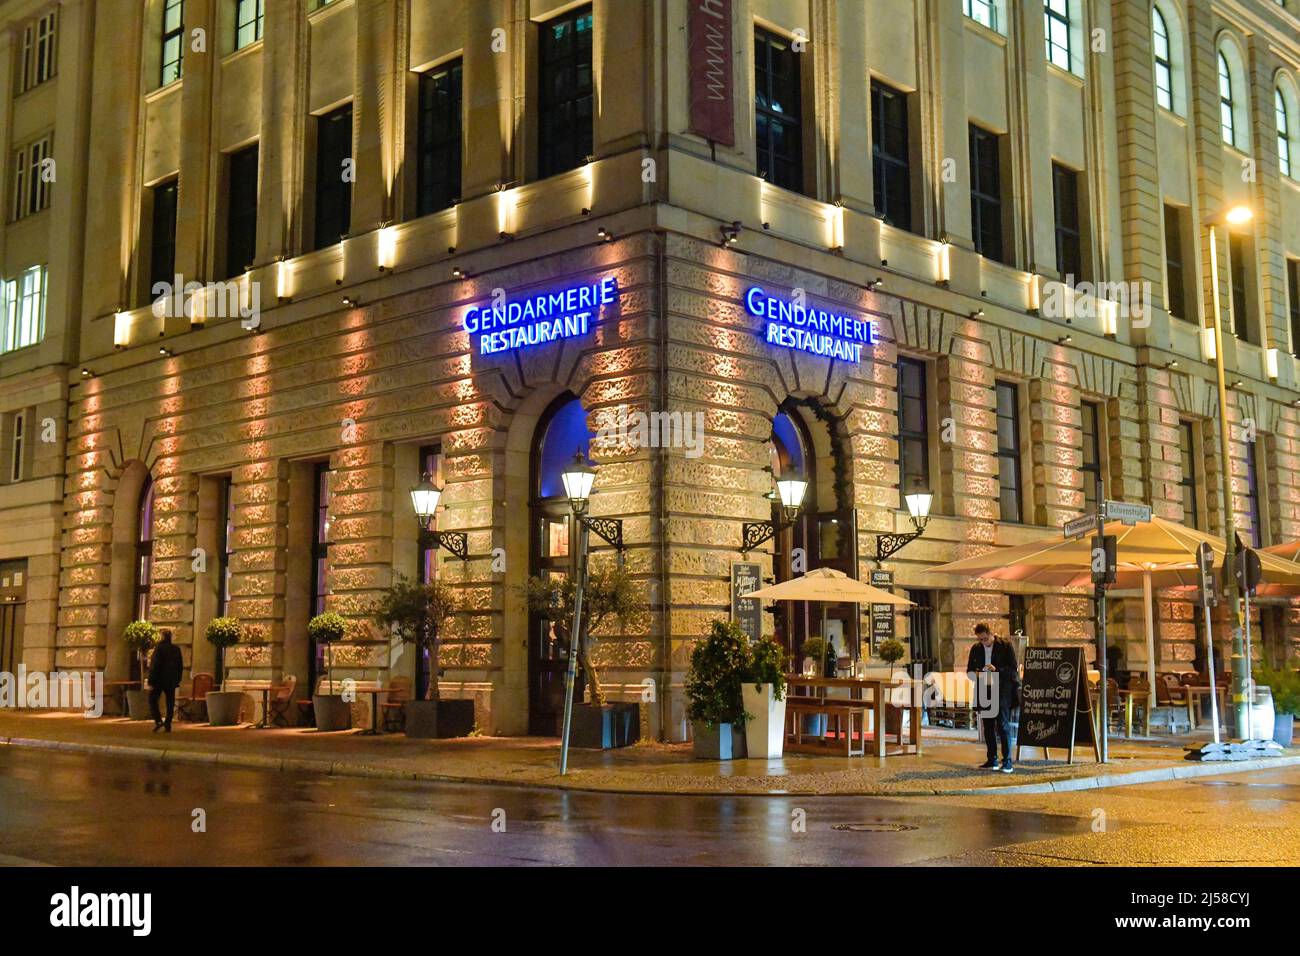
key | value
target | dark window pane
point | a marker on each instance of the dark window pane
(778, 129)
(439, 139)
(564, 127)
(241, 211)
(891, 169)
(1008, 414)
(162, 250)
(1065, 190)
(1177, 280)
(333, 191)
(986, 193)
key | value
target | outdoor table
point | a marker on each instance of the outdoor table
(373, 730)
(1128, 698)
(266, 704)
(1194, 705)
(117, 690)
(877, 686)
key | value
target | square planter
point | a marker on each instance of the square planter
(137, 705)
(427, 719)
(718, 742)
(332, 712)
(765, 725)
(1283, 729)
(605, 728)
(223, 707)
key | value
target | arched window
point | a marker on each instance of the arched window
(1284, 133)
(1234, 97)
(1227, 119)
(1163, 55)
(143, 551)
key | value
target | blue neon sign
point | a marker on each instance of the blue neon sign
(540, 318)
(795, 326)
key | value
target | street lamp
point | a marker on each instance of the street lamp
(1233, 216)
(790, 491)
(578, 478)
(424, 498)
(918, 509)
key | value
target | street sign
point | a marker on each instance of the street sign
(1127, 512)
(1246, 566)
(1205, 569)
(1080, 525)
(882, 615)
(1104, 563)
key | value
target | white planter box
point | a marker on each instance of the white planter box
(765, 725)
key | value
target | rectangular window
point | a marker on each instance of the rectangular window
(16, 451)
(1056, 26)
(162, 248)
(890, 155)
(225, 547)
(777, 111)
(1017, 615)
(23, 307)
(1293, 294)
(1240, 268)
(1175, 278)
(31, 182)
(920, 621)
(320, 538)
(248, 22)
(333, 186)
(1092, 457)
(40, 49)
(1191, 493)
(913, 428)
(173, 40)
(439, 139)
(1069, 233)
(1252, 495)
(986, 193)
(564, 120)
(241, 210)
(1010, 499)
(982, 12)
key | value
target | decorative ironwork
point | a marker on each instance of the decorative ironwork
(457, 542)
(888, 544)
(755, 533)
(611, 529)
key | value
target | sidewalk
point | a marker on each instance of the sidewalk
(946, 768)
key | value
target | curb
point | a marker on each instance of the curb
(336, 768)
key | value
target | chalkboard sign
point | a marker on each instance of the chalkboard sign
(747, 576)
(882, 615)
(1054, 708)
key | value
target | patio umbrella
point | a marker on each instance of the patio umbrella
(1149, 554)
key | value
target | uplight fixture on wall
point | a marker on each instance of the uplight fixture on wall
(1270, 363)
(943, 262)
(387, 246)
(1208, 351)
(121, 329)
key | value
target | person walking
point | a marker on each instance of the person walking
(164, 677)
(992, 667)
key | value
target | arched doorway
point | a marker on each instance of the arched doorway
(824, 535)
(560, 432)
(130, 567)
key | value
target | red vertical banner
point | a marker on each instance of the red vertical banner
(709, 55)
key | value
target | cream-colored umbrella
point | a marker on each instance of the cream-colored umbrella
(1149, 554)
(827, 584)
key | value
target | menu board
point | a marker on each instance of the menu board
(1054, 710)
(882, 615)
(747, 576)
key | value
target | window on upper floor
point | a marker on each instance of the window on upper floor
(1241, 271)
(333, 207)
(1058, 28)
(913, 428)
(162, 236)
(1163, 56)
(891, 155)
(1010, 491)
(241, 209)
(565, 102)
(22, 309)
(1069, 228)
(17, 435)
(1286, 133)
(983, 12)
(1093, 451)
(986, 193)
(33, 174)
(1234, 95)
(438, 139)
(248, 22)
(1189, 481)
(173, 40)
(1227, 114)
(1255, 504)
(1175, 273)
(778, 116)
(39, 55)
(1293, 302)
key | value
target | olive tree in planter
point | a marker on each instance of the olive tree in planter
(610, 594)
(416, 613)
(332, 711)
(223, 705)
(763, 694)
(713, 696)
(140, 637)
(1285, 683)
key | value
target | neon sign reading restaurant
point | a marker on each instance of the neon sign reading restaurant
(796, 326)
(540, 318)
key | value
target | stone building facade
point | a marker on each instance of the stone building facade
(976, 178)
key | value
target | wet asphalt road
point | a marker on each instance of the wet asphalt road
(76, 809)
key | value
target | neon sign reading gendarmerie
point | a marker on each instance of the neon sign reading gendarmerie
(796, 326)
(539, 318)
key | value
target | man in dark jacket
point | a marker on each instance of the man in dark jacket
(992, 666)
(164, 676)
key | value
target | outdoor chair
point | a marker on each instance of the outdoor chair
(187, 707)
(1169, 691)
(281, 701)
(394, 708)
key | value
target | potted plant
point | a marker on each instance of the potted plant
(819, 661)
(1285, 684)
(139, 637)
(416, 613)
(763, 694)
(713, 696)
(891, 652)
(598, 724)
(332, 711)
(224, 705)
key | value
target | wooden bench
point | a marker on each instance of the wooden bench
(843, 713)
